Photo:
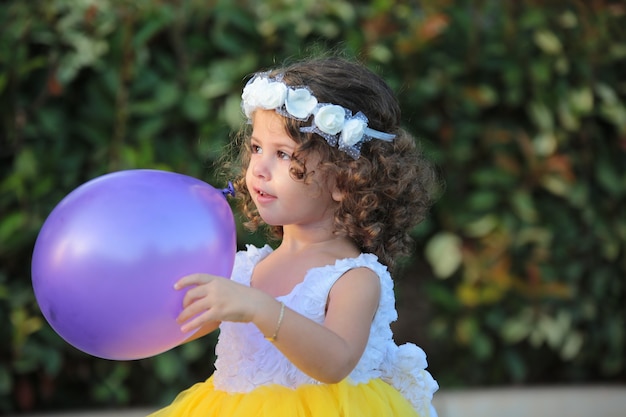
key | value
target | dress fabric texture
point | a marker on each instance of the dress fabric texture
(253, 379)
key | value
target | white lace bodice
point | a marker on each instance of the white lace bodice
(245, 360)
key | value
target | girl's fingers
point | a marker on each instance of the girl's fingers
(193, 294)
(210, 298)
(194, 322)
(193, 279)
(191, 308)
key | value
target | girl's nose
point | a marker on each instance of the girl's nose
(260, 167)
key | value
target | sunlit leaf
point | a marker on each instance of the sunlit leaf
(572, 346)
(548, 42)
(482, 226)
(517, 329)
(443, 252)
(523, 205)
(541, 114)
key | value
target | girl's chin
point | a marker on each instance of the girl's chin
(270, 221)
(272, 224)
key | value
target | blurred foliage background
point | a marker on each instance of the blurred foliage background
(518, 276)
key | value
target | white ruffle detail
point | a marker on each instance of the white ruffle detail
(405, 369)
(245, 360)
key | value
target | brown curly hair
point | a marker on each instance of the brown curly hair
(387, 191)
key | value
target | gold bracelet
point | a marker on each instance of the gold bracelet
(280, 321)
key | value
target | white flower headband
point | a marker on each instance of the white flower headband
(334, 123)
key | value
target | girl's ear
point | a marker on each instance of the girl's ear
(337, 194)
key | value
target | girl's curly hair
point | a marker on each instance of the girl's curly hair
(387, 191)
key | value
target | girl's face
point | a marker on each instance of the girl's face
(280, 199)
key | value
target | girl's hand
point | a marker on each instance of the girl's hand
(213, 299)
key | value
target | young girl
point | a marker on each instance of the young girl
(305, 328)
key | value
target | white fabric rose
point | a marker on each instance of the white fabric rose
(300, 102)
(430, 385)
(336, 124)
(352, 132)
(330, 119)
(405, 370)
(410, 356)
(264, 94)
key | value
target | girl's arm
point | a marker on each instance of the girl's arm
(327, 353)
(330, 352)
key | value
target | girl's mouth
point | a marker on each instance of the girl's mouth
(263, 194)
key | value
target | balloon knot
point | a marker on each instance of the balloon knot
(230, 190)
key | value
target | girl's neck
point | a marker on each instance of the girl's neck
(299, 241)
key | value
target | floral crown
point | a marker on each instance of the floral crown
(334, 123)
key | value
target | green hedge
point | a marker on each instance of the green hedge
(519, 272)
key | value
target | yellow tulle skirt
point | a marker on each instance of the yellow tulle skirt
(373, 399)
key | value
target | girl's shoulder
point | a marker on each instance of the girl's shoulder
(321, 279)
(363, 260)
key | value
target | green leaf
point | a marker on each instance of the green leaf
(572, 346)
(541, 115)
(10, 225)
(6, 381)
(481, 226)
(167, 366)
(483, 200)
(26, 164)
(548, 42)
(610, 180)
(443, 252)
(518, 328)
(523, 205)
(581, 100)
(195, 107)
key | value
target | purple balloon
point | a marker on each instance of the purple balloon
(108, 255)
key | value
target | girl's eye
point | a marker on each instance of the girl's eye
(255, 149)
(283, 155)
